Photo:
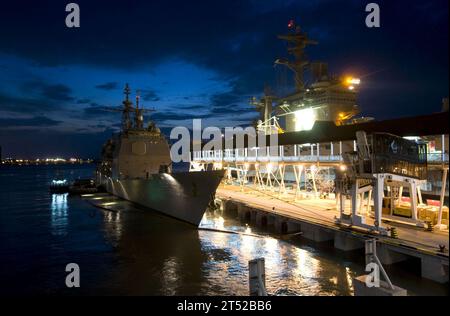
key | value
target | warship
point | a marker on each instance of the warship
(136, 166)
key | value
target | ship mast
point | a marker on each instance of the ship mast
(297, 42)
(127, 109)
(138, 117)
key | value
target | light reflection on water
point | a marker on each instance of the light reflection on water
(59, 218)
(290, 270)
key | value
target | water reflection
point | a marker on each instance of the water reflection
(113, 223)
(161, 256)
(59, 218)
(170, 276)
(289, 270)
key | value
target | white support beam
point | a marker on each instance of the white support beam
(369, 199)
(400, 195)
(443, 188)
(378, 199)
(355, 198)
(419, 195)
(413, 196)
(443, 148)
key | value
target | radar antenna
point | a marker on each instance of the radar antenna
(297, 41)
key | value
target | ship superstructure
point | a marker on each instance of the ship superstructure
(318, 95)
(136, 166)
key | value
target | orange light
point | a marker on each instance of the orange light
(350, 81)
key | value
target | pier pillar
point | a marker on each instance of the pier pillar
(254, 213)
(434, 269)
(271, 220)
(387, 256)
(262, 219)
(316, 233)
(230, 208)
(346, 242)
(244, 213)
(286, 226)
(280, 225)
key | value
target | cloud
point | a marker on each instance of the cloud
(57, 92)
(37, 121)
(83, 101)
(149, 95)
(108, 86)
(193, 107)
(53, 92)
(177, 116)
(27, 105)
(97, 110)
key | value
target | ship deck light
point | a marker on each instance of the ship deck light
(304, 119)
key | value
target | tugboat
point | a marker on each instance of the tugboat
(136, 166)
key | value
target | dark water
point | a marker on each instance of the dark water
(137, 252)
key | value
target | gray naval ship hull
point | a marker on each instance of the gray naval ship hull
(184, 196)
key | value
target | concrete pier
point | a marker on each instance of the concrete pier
(315, 220)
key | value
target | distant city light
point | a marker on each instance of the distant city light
(45, 161)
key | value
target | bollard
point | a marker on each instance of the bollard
(257, 277)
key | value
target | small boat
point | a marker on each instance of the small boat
(59, 186)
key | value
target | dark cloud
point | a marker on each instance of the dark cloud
(149, 95)
(193, 107)
(37, 121)
(52, 92)
(108, 86)
(83, 101)
(96, 110)
(57, 92)
(176, 116)
(233, 110)
(26, 105)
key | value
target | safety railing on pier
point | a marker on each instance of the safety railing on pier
(437, 158)
(261, 155)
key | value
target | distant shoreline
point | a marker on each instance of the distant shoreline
(33, 163)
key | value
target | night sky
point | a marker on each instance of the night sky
(200, 59)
